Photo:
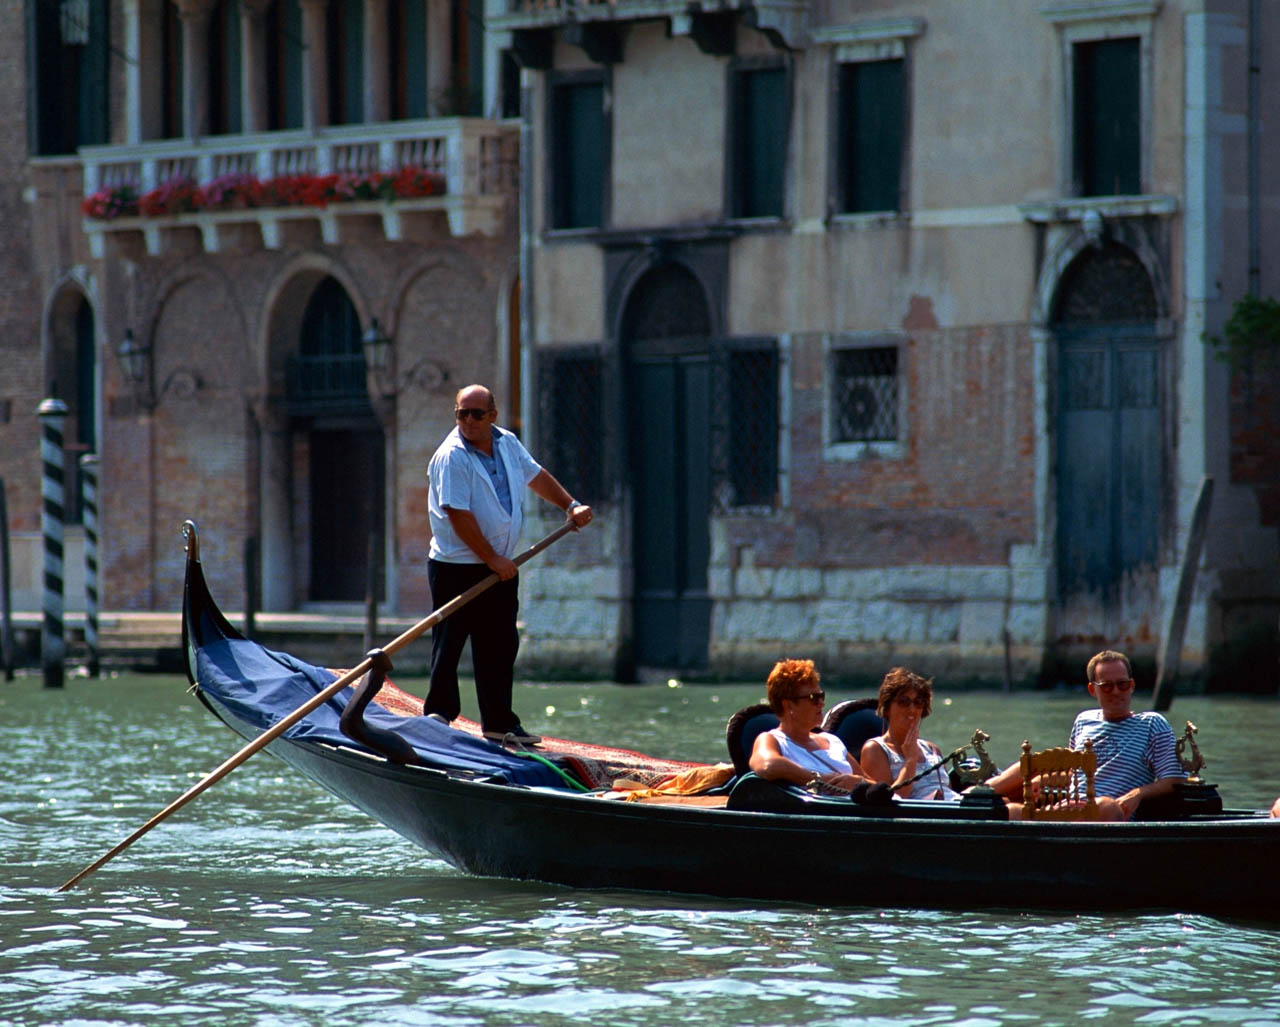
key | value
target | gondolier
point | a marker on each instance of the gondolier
(477, 480)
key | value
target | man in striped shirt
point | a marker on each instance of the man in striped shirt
(1137, 753)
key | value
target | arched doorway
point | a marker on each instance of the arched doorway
(339, 445)
(73, 378)
(666, 336)
(1111, 461)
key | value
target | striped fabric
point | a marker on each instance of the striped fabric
(1131, 753)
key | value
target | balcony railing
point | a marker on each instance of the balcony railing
(478, 160)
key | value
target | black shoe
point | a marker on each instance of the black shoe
(514, 734)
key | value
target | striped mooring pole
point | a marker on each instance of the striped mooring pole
(89, 487)
(52, 414)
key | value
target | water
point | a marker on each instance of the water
(268, 902)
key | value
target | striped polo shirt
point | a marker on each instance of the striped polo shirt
(1131, 753)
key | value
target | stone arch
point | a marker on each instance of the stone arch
(1110, 441)
(1104, 283)
(652, 269)
(664, 330)
(295, 445)
(283, 307)
(72, 359)
(196, 430)
(1071, 249)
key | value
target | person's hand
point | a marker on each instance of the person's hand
(842, 782)
(504, 568)
(579, 514)
(911, 746)
(1275, 808)
(1129, 802)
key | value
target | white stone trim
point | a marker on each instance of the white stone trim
(871, 40)
(1084, 21)
(1074, 12)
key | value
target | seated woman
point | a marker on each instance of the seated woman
(899, 754)
(796, 751)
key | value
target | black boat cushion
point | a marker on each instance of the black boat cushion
(742, 730)
(854, 721)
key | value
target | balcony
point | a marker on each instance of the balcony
(588, 23)
(476, 162)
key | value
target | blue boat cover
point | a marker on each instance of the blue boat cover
(262, 687)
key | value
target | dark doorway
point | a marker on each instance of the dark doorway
(666, 330)
(346, 511)
(1110, 442)
(334, 424)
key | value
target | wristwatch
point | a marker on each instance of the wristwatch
(815, 781)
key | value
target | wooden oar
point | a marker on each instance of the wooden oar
(324, 696)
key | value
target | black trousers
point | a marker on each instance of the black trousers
(489, 621)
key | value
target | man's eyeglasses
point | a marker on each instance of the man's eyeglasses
(814, 697)
(1114, 686)
(918, 701)
(475, 413)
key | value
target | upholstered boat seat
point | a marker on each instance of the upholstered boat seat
(854, 721)
(742, 730)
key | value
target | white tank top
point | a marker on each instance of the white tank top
(929, 785)
(820, 761)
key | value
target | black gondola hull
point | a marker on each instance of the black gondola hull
(943, 857)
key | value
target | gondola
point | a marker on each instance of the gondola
(492, 812)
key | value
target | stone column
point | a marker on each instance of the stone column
(377, 54)
(440, 75)
(253, 65)
(315, 64)
(195, 65)
(275, 525)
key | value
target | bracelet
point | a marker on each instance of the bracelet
(815, 781)
(572, 504)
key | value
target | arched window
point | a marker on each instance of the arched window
(1111, 461)
(328, 369)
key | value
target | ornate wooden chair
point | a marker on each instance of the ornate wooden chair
(1057, 784)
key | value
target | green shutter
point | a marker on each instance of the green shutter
(578, 155)
(1107, 94)
(760, 142)
(870, 133)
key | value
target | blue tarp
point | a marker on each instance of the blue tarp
(262, 687)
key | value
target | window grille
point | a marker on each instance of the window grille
(571, 421)
(752, 385)
(865, 406)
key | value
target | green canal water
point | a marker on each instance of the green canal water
(268, 902)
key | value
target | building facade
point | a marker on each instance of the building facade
(217, 207)
(877, 329)
(874, 329)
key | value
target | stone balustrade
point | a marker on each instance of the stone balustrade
(477, 159)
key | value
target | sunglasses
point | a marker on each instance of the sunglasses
(814, 697)
(475, 413)
(1114, 686)
(919, 701)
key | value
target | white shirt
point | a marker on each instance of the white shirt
(820, 761)
(459, 480)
